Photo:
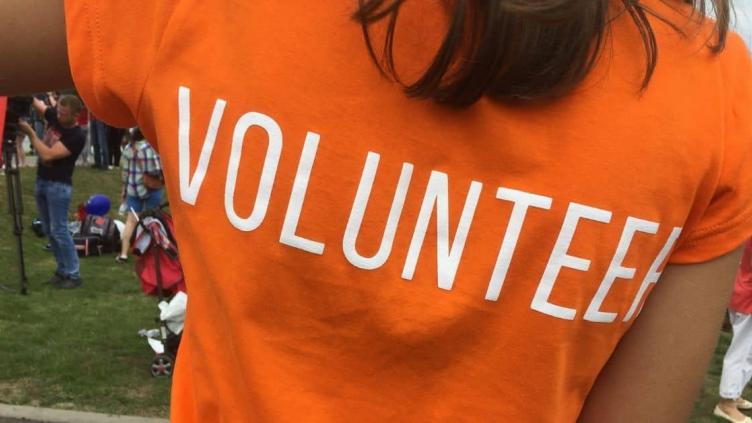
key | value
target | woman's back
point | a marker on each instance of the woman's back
(369, 256)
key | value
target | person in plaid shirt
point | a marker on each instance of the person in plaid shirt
(142, 184)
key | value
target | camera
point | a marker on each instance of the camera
(18, 108)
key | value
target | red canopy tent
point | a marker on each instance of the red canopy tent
(3, 106)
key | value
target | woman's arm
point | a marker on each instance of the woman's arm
(51, 99)
(656, 372)
(39, 106)
(32, 42)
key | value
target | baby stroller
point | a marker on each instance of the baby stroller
(158, 267)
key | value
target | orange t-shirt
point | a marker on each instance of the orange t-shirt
(352, 254)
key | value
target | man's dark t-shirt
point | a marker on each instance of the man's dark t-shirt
(60, 170)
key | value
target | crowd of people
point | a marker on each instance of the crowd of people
(104, 143)
(62, 135)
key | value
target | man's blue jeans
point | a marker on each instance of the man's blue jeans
(53, 200)
(99, 142)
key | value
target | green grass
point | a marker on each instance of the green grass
(79, 349)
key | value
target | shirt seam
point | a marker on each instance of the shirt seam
(719, 228)
(152, 65)
(98, 50)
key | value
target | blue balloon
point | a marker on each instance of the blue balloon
(98, 205)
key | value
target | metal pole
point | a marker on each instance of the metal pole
(15, 206)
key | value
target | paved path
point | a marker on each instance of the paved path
(24, 414)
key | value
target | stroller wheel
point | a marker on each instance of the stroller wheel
(162, 365)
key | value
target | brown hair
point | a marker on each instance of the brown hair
(72, 102)
(521, 49)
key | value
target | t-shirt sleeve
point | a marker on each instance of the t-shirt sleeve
(74, 143)
(50, 115)
(111, 47)
(727, 221)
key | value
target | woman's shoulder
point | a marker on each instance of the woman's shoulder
(127, 153)
(141, 145)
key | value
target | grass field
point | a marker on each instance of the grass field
(78, 349)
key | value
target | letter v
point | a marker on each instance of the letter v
(189, 187)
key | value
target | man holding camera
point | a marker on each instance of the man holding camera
(58, 151)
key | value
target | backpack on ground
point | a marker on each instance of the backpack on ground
(87, 245)
(99, 231)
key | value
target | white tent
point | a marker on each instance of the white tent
(743, 20)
